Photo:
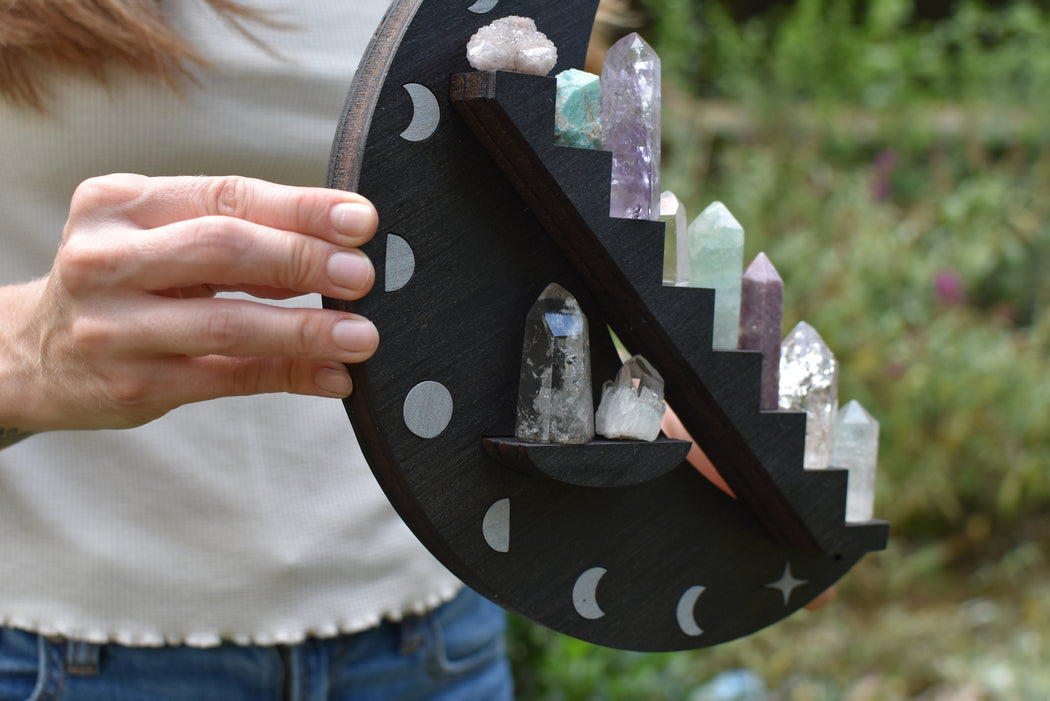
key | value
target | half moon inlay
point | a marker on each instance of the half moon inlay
(496, 526)
(400, 263)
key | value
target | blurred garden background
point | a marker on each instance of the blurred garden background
(891, 158)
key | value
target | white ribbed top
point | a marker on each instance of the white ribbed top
(246, 519)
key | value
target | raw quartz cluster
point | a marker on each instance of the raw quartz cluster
(512, 44)
(554, 393)
(632, 406)
(846, 438)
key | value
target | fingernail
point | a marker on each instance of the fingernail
(355, 335)
(334, 381)
(352, 218)
(351, 270)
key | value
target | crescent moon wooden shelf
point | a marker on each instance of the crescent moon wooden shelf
(479, 212)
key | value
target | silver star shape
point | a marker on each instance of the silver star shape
(787, 583)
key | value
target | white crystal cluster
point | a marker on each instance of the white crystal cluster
(633, 406)
(512, 44)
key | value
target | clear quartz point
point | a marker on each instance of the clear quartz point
(809, 382)
(633, 406)
(676, 240)
(555, 403)
(631, 123)
(716, 252)
(857, 450)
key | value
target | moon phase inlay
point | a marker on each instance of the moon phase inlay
(496, 526)
(426, 113)
(400, 263)
(686, 612)
(483, 6)
(585, 594)
(428, 409)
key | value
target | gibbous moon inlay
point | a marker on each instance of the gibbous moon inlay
(483, 6)
(428, 409)
(496, 526)
(585, 594)
(426, 113)
(400, 263)
(686, 614)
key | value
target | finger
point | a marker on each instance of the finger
(226, 253)
(202, 379)
(673, 428)
(344, 218)
(233, 328)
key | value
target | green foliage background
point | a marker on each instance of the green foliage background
(896, 172)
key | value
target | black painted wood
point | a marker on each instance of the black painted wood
(600, 463)
(482, 256)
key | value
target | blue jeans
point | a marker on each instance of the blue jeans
(454, 654)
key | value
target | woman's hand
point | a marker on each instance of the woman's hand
(126, 327)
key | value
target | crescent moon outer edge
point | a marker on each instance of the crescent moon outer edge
(686, 614)
(426, 113)
(585, 594)
(483, 6)
(495, 526)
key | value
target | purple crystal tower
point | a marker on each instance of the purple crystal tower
(762, 323)
(631, 122)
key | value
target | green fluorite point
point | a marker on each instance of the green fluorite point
(577, 120)
(716, 261)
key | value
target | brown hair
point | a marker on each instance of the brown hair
(41, 38)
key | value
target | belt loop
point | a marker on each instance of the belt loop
(413, 633)
(82, 659)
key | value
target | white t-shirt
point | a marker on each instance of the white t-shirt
(251, 519)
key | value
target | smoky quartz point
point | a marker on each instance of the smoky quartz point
(555, 403)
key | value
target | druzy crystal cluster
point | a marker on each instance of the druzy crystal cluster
(512, 44)
(633, 405)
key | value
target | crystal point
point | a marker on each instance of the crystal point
(512, 44)
(857, 450)
(631, 123)
(676, 240)
(716, 253)
(762, 323)
(555, 403)
(577, 110)
(633, 406)
(809, 381)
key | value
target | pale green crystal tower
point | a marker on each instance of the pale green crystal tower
(676, 240)
(809, 382)
(857, 450)
(716, 261)
(577, 110)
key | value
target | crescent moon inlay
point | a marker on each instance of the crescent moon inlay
(428, 409)
(426, 113)
(496, 526)
(686, 614)
(585, 594)
(400, 263)
(483, 6)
